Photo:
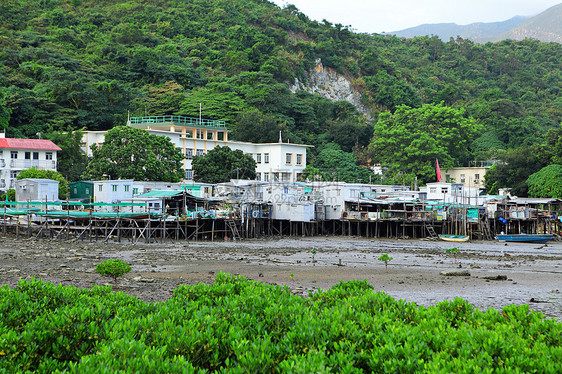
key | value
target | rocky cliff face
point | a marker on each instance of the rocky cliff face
(331, 85)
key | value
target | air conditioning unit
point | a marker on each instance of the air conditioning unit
(476, 181)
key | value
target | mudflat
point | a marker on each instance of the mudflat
(486, 274)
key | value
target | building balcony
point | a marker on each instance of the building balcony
(176, 121)
(39, 164)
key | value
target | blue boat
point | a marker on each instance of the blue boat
(525, 238)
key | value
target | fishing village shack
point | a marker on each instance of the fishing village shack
(239, 190)
(203, 190)
(289, 201)
(148, 186)
(528, 215)
(38, 190)
(82, 191)
(112, 191)
(174, 202)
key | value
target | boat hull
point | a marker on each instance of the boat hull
(523, 238)
(454, 238)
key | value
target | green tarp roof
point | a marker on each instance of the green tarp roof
(161, 193)
(64, 203)
(86, 215)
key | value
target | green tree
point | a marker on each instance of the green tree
(410, 140)
(71, 159)
(9, 195)
(348, 134)
(553, 146)
(257, 127)
(222, 164)
(4, 112)
(47, 174)
(392, 92)
(131, 153)
(546, 182)
(113, 268)
(518, 164)
(333, 164)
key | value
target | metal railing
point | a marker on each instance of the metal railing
(178, 120)
(26, 164)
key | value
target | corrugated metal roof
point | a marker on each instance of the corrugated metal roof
(535, 201)
(37, 144)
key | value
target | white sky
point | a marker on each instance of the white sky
(377, 16)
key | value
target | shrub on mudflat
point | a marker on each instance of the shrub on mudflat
(240, 325)
(113, 269)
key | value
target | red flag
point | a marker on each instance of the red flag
(437, 170)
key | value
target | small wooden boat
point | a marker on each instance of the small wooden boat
(454, 238)
(525, 238)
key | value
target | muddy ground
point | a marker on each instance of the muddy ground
(532, 272)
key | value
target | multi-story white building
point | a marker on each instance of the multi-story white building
(280, 161)
(19, 154)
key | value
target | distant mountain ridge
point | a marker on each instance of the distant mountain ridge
(546, 27)
(474, 31)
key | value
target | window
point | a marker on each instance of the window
(299, 159)
(49, 156)
(14, 155)
(200, 152)
(189, 153)
(199, 134)
(288, 158)
(463, 178)
(258, 176)
(100, 188)
(189, 174)
(432, 190)
(210, 135)
(113, 187)
(87, 190)
(127, 188)
(36, 155)
(135, 191)
(207, 190)
(75, 190)
(13, 174)
(258, 158)
(27, 155)
(266, 158)
(266, 177)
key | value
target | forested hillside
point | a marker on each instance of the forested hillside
(87, 63)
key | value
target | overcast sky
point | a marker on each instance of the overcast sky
(392, 15)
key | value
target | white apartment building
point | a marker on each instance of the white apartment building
(279, 161)
(19, 154)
